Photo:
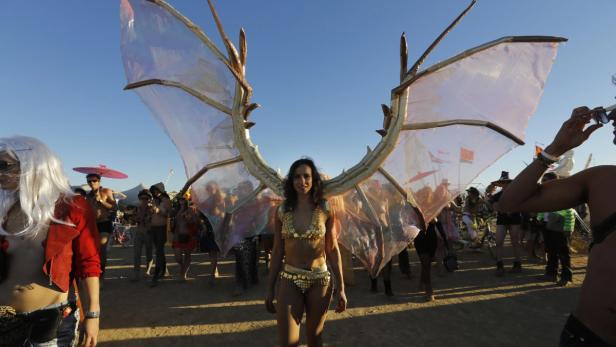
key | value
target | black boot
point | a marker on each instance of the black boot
(517, 267)
(500, 269)
(388, 290)
(374, 285)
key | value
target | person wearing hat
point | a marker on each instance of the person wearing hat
(103, 203)
(557, 228)
(142, 233)
(511, 222)
(161, 209)
(473, 205)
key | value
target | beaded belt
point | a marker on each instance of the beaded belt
(304, 279)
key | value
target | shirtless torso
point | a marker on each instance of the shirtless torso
(26, 287)
(162, 207)
(597, 304)
(102, 202)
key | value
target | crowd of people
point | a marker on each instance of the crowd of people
(54, 241)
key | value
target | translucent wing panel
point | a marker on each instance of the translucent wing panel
(435, 165)
(156, 45)
(254, 218)
(202, 134)
(218, 193)
(502, 84)
(378, 227)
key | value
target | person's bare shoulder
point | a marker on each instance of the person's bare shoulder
(107, 191)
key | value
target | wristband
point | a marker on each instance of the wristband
(93, 314)
(549, 157)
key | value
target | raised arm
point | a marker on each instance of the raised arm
(524, 194)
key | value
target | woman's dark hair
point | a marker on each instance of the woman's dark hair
(80, 191)
(316, 192)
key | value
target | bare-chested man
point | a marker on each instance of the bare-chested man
(103, 203)
(48, 237)
(593, 323)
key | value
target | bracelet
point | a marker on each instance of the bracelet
(549, 156)
(93, 314)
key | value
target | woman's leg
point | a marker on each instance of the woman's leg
(289, 312)
(515, 233)
(317, 302)
(214, 261)
(187, 259)
(179, 258)
(104, 236)
(404, 263)
(137, 248)
(149, 262)
(386, 273)
(501, 231)
(159, 238)
(425, 277)
(253, 261)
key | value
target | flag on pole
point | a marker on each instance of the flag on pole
(436, 159)
(466, 155)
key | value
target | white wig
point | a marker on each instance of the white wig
(41, 183)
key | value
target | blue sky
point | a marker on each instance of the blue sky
(320, 69)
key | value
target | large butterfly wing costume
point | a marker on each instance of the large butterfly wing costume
(444, 126)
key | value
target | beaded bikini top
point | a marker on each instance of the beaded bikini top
(316, 229)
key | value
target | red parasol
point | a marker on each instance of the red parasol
(101, 170)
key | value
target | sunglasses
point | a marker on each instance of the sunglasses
(6, 166)
(93, 181)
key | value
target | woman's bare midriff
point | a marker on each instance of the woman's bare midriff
(304, 254)
(597, 306)
(26, 287)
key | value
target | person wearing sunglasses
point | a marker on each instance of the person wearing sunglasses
(593, 323)
(48, 238)
(104, 204)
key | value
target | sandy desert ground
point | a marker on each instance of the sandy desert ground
(473, 308)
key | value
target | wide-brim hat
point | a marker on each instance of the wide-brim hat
(504, 178)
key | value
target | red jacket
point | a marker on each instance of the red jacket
(72, 251)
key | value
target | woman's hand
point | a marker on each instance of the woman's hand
(269, 302)
(572, 132)
(90, 331)
(342, 301)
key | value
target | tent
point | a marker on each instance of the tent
(131, 195)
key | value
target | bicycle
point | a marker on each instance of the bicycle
(122, 235)
(482, 225)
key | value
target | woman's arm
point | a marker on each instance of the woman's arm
(525, 195)
(275, 265)
(333, 255)
(90, 287)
